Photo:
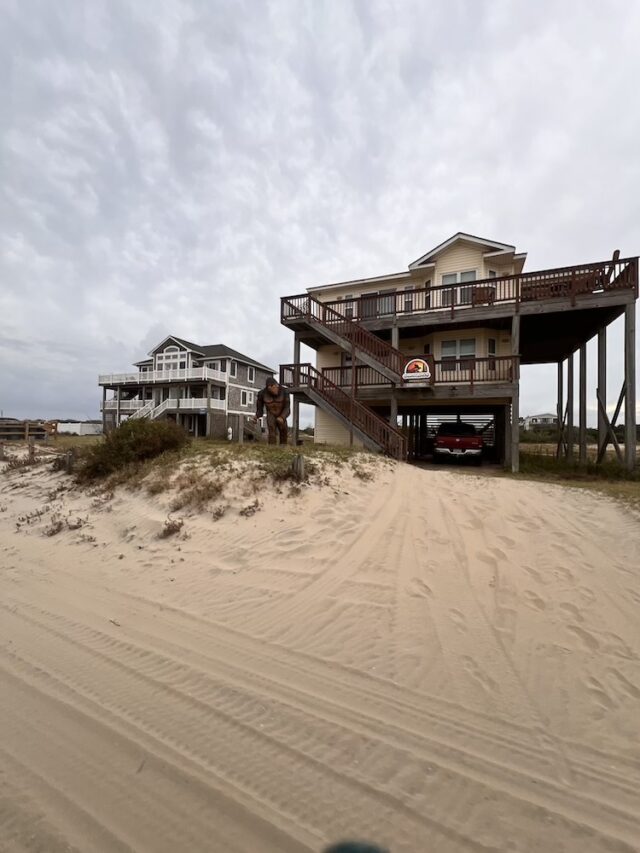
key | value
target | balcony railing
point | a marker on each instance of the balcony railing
(455, 371)
(204, 374)
(125, 405)
(172, 404)
(573, 282)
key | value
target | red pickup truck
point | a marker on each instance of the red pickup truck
(458, 441)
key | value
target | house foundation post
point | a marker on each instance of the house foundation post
(601, 391)
(208, 431)
(104, 413)
(507, 436)
(630, 379)
(582, 407)
(569, 453)
(515, 400)
(118, 393)
(560, 409)
(393, 413)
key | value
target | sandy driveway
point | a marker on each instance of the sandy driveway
(433, 661)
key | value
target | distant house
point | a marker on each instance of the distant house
(546, 421)
(206, 389)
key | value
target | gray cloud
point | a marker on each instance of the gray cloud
(178, 166)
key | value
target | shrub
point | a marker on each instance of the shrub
(133, 442)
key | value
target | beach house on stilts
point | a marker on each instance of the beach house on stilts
(396, 355)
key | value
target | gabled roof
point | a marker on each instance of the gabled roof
(468, 238)
(181, 341)
(209, 351)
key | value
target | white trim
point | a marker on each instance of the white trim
(361, 281)
(461, 235)
(171, 338)
(242, 387)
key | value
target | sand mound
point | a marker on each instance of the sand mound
(429, 660)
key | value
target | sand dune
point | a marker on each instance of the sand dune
(433, 661)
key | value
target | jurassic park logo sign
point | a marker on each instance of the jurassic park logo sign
(418, 370)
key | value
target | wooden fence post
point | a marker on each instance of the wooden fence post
(297, 466)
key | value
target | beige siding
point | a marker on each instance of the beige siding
(500, 267)
(330, 356)
(462, 257)
(328, 430)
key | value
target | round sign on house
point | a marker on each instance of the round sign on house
(418, 371)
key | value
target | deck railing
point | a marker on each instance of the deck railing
(148, 408)
(147, 377)
(454, 371)
(388, 438)
(309, 308)
(572, 283)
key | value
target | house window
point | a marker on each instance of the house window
(215, 365)
(251, 374)
(246, 398)
(408, 299)
(183, 364)
(348, 306)
(233, 369)
(459, 354)
(251, 398)
(493, 274)
(457, 295)
(449, 350)
(427, 349)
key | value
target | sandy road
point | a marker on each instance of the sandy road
(434, 661)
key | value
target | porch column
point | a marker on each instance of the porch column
(296, 348)
(570, 407)
(296, 416)
(404, 422)
(602, 386)
(507, 437)
(393, 414)
(582, 406)
(560, 406)
(118, 393)
(630, 379)
(395, 335)
(208, 432)
(515, 400)
(104, 414)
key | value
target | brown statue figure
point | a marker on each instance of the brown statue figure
(275, 399)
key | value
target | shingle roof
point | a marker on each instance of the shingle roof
(217, 351)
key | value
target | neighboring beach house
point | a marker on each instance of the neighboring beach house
(546, 421)
(396, 354)
(206, 389)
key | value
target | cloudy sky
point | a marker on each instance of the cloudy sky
(178, 165)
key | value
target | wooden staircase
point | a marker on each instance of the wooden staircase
(366, 347)
(374, 432)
